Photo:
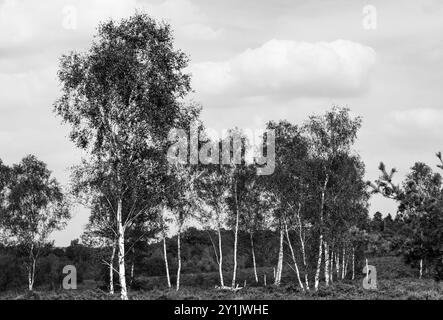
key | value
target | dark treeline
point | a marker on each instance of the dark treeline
(382, 238)
(151, 169)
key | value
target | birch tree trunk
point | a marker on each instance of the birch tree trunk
(343, 263)
(353, 263)
(234, 274)
(165, 256)
(132, 266)
(320, 246)
(253, 257)
(317, 272)
(337, 263)
(220, 259)
(31, 275)
(179, 258)
(326, 248)
(280, 259)
(31, 269)
(331, 266)
(293, 256)
(421, 268)
(111, 268)
(121, 252)
(302, 243)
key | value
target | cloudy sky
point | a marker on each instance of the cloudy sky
(251, 61)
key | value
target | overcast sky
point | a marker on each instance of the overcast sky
(252, 61)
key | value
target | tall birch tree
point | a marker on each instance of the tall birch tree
(121, 98)
(35, 207)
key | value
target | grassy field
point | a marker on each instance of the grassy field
(395, 281)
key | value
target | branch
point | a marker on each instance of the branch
(109, 265)
(439, 156)
(213, 245)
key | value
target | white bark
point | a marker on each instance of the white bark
(121, 252)
(343, 263)
(421, 268)
(165, 256)
(179, 258)
(367, 269)
(132, 266)
(31, 275)
(280, 259)
(326, 248)
(353, 263)
(31, 268)
(111, 268)
(293, 256)
(234, 274)
(302, 243)
(322, 205)
(220, 259)
(317, 272)
(253, 257)
(337, 263)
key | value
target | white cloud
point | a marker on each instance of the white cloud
(289, 68)
(28, 21)
(31, 29)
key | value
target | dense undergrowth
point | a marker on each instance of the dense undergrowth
(395, 281)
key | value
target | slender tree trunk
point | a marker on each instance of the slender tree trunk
(421, 268)
(353, 263)
(302, 243)
(121, 251)
(179, 258)
(367, 269)
(280, 258)
(337, 263)
(326, 248)
(31, 268)
(320, 246)
(343, 263)
(31, 275)
(234, 274)
(132, 265)
(220, 257)
(30, 284)
(331, 266)
(293, 256)
(132, 273)
(253, 257)
(165, 251)
(317, 272)
(165, 256)
(111, 268)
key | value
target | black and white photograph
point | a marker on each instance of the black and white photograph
(241, 153)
